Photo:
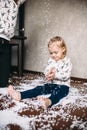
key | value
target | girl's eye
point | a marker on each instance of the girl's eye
(53, 53)
(56, 52)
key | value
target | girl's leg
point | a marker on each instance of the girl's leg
(58, 93)
(32, 92)
(29, 94)
(46, 102)
(39, 90)
(47, 89)
(13, 93)
(25, 94)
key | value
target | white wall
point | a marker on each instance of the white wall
(47, 18)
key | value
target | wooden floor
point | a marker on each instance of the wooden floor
(68, 114)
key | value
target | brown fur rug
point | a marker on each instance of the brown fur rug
(69, 114)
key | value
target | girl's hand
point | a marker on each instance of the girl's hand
(16, 1)
(51, 74)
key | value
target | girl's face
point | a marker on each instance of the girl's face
(56, 52)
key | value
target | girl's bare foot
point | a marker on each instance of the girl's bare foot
(46, 102)
(13, 93)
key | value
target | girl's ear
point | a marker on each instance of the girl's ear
(63, 49)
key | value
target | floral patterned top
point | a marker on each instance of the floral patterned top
(63, 70)
(8, 17)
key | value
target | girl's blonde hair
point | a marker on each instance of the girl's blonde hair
(61, 41)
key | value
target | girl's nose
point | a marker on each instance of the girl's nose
(53, 54)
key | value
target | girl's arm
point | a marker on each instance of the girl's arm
(48, 67)
(64, 72)
(49, 70)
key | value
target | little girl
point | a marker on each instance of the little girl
(57, 73)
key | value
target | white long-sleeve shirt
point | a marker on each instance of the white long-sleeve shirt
(8, 17)
(63, 70)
